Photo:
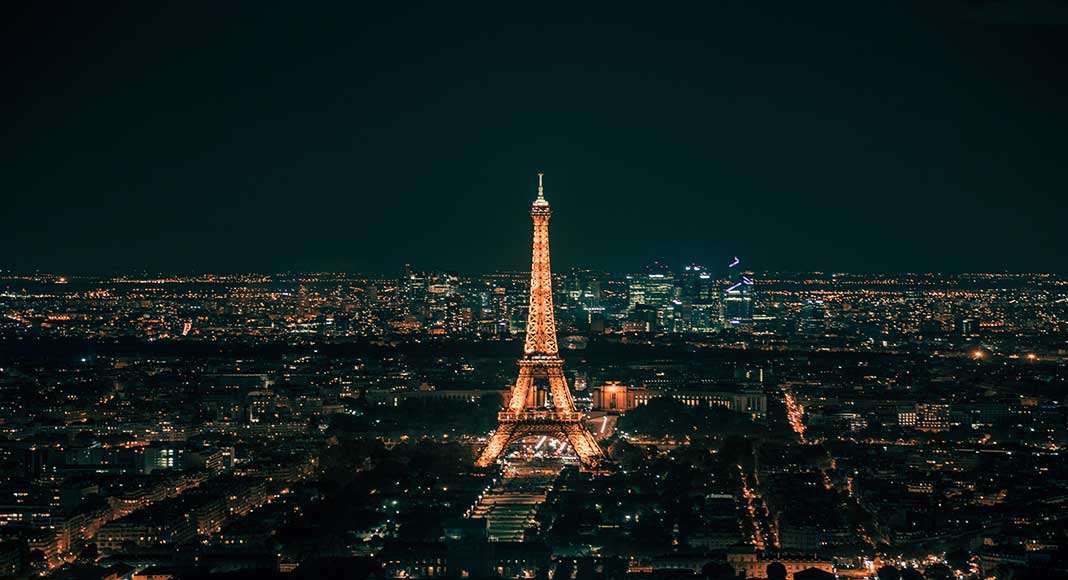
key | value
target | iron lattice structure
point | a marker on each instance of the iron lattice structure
(541, 360)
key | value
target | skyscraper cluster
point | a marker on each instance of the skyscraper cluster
(694, 299)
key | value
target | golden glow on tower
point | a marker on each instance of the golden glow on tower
(541, 359)
(541, 320)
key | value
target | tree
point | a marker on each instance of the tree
(90, 552)
(888, 573)
(813, 574)
(938, 572)
(421, 525)
(38, 562)
(776, 571)
(717, 571)
(958, 559)
(628, 455)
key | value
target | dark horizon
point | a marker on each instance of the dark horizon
(465, 273)
(262, 137)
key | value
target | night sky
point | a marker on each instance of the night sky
(264, 136)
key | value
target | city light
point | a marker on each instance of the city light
(267, 308)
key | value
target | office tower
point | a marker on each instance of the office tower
(699, 299)
(813, 318)
(738, 298)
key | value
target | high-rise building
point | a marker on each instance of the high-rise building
(968, 327)
(655, 290)
(582, 294)
(414, 290)
(499, 309)
(163, 458)
(932, 416)
(738, 298)
(697, 285)
(700, 299)
(655, 287)
(813, 318)
(584, 289)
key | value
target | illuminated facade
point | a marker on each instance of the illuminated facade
(738, 299)
(616, 397)
(524, 416)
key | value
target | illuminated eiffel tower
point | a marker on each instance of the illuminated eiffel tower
(541, 361)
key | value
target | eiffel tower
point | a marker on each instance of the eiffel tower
(541, 361)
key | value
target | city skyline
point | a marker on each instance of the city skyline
(385, 275)
(277, 302)
(863, 427)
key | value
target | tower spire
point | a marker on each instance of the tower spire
(541, 188)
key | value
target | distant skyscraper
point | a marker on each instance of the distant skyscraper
(655, 287)
(697, 285)
(654, 290)
(813, 318)
(414, 288)
(738, 298)
(583, 292)
(699, 297)
(500, 304)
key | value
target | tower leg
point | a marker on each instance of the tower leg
(523, 392)
(583, 442)
(497, 444)
(558, 387)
